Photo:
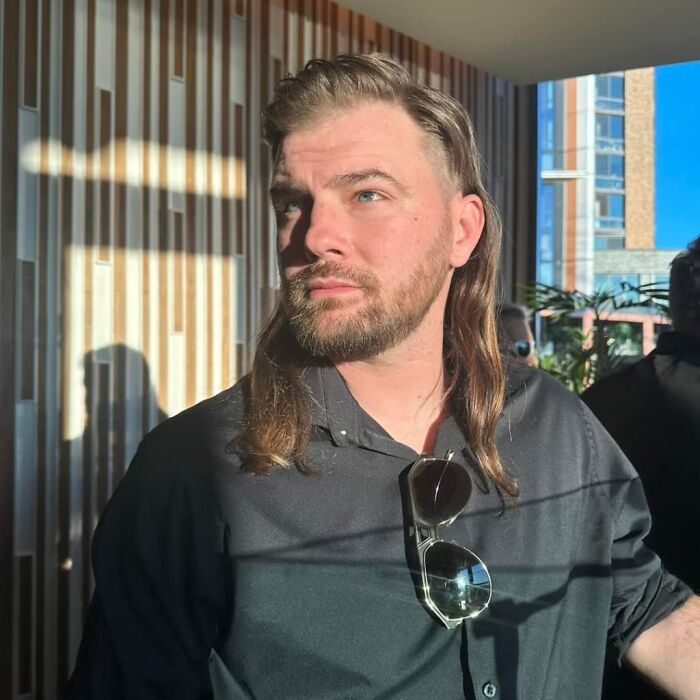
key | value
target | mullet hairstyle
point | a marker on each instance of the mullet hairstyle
(277, 428)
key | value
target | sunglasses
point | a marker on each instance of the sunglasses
(522, 348)
(455, 583)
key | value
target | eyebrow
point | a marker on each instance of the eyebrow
(360, 176)
(283, 184)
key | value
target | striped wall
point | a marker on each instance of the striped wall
(136, 252)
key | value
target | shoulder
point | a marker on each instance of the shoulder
(533, 389)
(186, 452)
(542, 417)
(201, 428)
(537, 404)
(627, 402)
(552, 435)
(165, 520)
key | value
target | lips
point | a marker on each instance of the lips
(325, 283)
(327, 287)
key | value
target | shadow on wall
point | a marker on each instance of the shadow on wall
(92, 465)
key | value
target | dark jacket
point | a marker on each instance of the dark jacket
(652, 409)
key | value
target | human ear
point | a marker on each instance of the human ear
(468, 224)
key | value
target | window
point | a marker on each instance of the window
(609, 171)
(609, 132)
(547, 221)
(546, 122)
(614, 282)
(610, 92)
(626, 336)
(609, 242)
(550, 232)
(609, 210)
(550, 100)
(661, 281)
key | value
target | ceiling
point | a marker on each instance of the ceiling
(527, 41)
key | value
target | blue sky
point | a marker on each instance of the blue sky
(677, 154)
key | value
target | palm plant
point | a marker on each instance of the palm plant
(580, 359)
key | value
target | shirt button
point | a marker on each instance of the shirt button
(343, 432)
(489, 690)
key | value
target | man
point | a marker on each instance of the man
(516, 334)
(273, 542)
(652, 409)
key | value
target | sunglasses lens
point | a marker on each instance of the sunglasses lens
(459, 584)
(523, 348)
(441, 489)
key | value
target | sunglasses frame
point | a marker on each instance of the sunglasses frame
(517, 353)
(428, 535)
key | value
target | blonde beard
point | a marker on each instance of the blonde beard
(377, 325)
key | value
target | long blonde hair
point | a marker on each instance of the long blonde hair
(277, 426)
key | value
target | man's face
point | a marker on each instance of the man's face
(369, 231)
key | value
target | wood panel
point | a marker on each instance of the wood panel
(8, 359)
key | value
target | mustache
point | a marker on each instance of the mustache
(300, 281)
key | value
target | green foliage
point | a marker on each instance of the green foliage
(580, 359)
(570, 364)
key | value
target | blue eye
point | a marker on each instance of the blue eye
(291, 208)
(368, 196)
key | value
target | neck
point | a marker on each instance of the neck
(403, 388)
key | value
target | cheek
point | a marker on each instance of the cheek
(286, 259)
(290, 247)
(393, 247)
(282, 242)
(380, 250)
(284, 235)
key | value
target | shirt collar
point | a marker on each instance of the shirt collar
(333, 406)
(335, 409)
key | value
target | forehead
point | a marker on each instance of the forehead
(375, 134)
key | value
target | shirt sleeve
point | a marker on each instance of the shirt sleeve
(159, 585)
(643, 591)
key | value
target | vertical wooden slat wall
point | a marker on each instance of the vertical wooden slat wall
(137, 252)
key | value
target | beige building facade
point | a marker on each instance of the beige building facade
(639, 158)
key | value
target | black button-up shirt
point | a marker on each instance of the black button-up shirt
(214, 582)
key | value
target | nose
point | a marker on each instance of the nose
(325, 237)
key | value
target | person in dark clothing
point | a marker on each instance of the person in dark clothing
(302, 535)
(516, 334)
(652, 410)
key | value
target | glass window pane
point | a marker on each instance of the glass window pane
(627, 336)
(610, 92)
(609, 242)
(601, 85)
(609, 223)
(616, 205)
(617, 165)
(616, 86)
(617, 126)
(609, 132)
(601, 125)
